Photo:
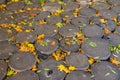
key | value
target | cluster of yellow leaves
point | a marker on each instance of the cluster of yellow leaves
(68, 69)
(2, 6)
(19, 11)
(41, 22)
(16, 27)
(58, 55)
(21, 22)
(39, 38)
(68, 41)
(59, 24)
(116, 21)
(66, 19)
(34, 68)
(58, 12)
(80, 37)
(4, 25)
(91, 61)
(114, 61)
(26, 47)
(29, 9)
(75, 13)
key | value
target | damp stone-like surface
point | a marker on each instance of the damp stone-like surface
(7, 49)
(49, 71)
(100, 6)
(3, 69)
(47, 30)
(25, 36)
(97, 48)
(93, 31)
(78, 75)
(68, 30)
(105, 71)
(80, 61)
(114, 39)
(22, 61)
(25, 75)
(88, 12)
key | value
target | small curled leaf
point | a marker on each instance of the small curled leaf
(93, 44)
(46, 69)
(38, 71)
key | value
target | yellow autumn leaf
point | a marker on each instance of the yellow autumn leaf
(118, 23)
(34, 68)
(59, 24)
(10, 72)
(61, 67)
(27, 30)
(115, 19)
(28, 9)
(18, 29)
(68, 69)
(3, 25)
(53, 43)
(2, 6)
(72, 68)
(38, 60)
(56, 56)
(114, 61)
(41, 22)
(58, 12)
(26, 47)
(91, 61)
(107, 31)
(103, 20)
(39, 38)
